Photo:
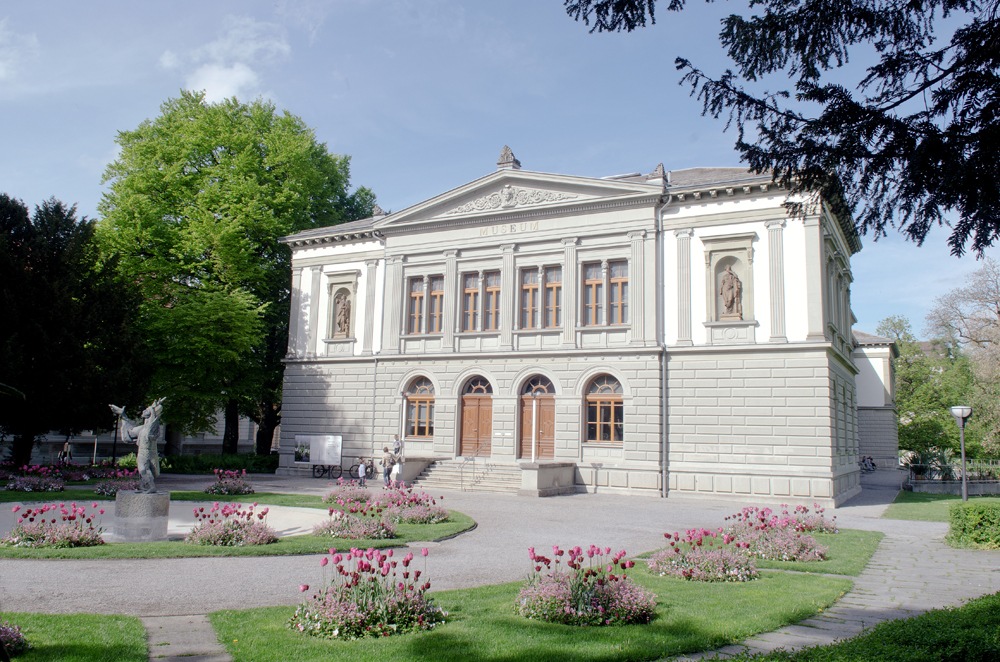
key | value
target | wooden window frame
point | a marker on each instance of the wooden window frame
(529, 304)
(419, 405)
(491, 301)
(470, 302)
(415, 305)
(605, 421)
(435, 305)
(552, 299)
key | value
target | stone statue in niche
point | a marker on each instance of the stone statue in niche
(731, 291)
(343, 305)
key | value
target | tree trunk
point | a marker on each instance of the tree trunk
(175, 440)
(20, 450)
(231, 436)
(265, 429)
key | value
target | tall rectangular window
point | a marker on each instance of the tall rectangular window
(529, 298)
(593, 294)
(618, 292)
(435, 311)
(415, 306)
(470, 302)
(605, 288)
(491, 308)
(553, 298)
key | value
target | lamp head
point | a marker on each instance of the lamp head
(961, 413)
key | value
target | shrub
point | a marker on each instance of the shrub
(208, 463)
(230, 525)
(705, 556)
(35, 484)
(110, 488)
(595, 592)
(230, 482)
(974, 524)
(129, 461)
(371, 595)
(52, 525)
(355, 527)
(12, 638)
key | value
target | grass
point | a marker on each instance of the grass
(80, 637)
(847, 554)
(482, 625)
(970, 632)
(920, 506)
(286, 546)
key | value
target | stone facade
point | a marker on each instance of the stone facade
(879, 425)
(666, 333)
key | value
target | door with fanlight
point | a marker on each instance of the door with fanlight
(477, 418)
(538, 420)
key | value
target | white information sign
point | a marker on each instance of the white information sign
(323, 448)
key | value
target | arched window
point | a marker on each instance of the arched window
(478, 386)
(605, 417)
(420, 409)
(538, 385)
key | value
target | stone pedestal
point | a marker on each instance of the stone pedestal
(141, 517)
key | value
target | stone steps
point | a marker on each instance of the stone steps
(478, 476)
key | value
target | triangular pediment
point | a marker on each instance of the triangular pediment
(517, 191)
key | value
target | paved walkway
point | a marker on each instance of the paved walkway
(912, 571)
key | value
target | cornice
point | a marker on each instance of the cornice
(713, 192)
(527, 213)
(332, 238)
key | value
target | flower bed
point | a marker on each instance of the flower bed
(53, 525)
(230, 482)
(12, 638)
(372, 594)
(727, 554)
(112, 487)
(394, 504)
(355, 527)
(705, 556)
(36, 484)
(230, 525)
(592, 592)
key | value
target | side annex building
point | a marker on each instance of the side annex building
(658, 334)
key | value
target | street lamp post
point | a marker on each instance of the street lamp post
(962, 414)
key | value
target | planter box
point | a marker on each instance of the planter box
(547, 479)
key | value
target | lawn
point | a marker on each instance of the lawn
(482, 625)
(848, 552)
(920, 506)
(80, 637)
(970, 632)
(289, 545)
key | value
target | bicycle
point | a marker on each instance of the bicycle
(335, 471)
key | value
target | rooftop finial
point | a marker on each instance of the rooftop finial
(377, 211)
(507, 160)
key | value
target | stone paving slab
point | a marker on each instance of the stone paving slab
(183, 638)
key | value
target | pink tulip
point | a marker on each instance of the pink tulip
(323, 561)
(303, 588)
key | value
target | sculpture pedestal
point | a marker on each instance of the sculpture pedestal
(141, 517)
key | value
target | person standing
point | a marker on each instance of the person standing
(397, 455)
(387, 464)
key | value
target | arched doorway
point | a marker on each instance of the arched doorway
(538, 419)
(477, 418)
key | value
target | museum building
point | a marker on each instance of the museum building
(664, 333)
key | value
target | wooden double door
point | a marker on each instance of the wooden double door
(477, 425)
(540, 411)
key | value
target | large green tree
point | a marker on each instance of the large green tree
(196, 204)
(931, 377)
(68, 345)
(971, 315)
(909, 140)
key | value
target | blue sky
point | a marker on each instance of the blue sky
(422, 94)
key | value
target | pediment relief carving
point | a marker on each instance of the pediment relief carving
(509, 197)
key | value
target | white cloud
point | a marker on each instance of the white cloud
(231, 64)
(15, 50)
(221, 82)
(169, 60)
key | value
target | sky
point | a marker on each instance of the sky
(421, 94)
